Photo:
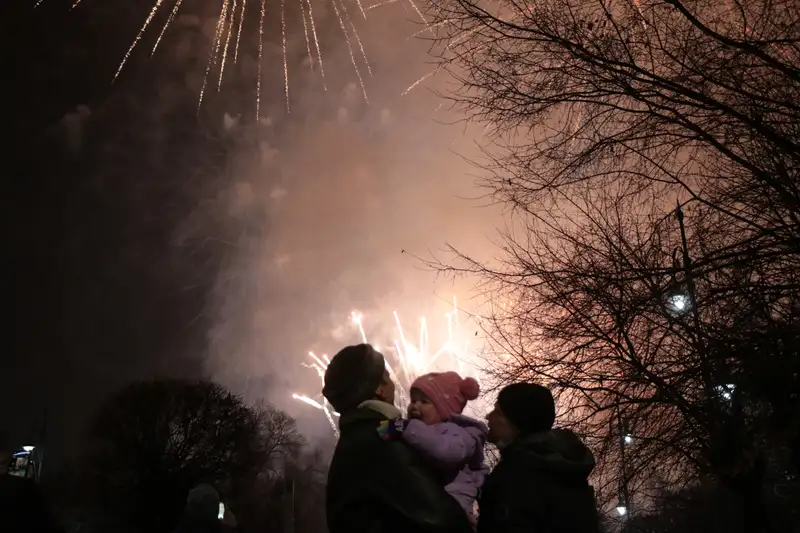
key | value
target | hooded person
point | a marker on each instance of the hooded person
(23, 506)
(542, 480)
(202, 512)
(374, 484)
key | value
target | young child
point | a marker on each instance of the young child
(452, 441)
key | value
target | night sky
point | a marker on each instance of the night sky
(149, 239)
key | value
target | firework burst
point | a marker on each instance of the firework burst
(406, 359)
(227, 36)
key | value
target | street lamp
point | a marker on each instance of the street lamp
(622, 509)
(28, 449)
(726, 391)
(679, 302)
(628, 439)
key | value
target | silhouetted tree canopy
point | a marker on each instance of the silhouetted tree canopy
(603, 115)
(152, 442)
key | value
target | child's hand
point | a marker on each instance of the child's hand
(392, 429)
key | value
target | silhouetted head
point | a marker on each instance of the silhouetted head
(357, 374)
(521, 409)
(202, 503)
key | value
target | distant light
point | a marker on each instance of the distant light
(622, 510)
(628, 439)
(221, 513)
(726, 391)
(679, 302)
(29, 449)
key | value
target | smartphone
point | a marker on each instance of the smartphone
(221, 513)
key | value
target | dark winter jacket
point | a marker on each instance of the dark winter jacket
(540, 485)
(383, 486)
(189, 525)
(23, 508)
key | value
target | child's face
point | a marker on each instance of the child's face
(421, 408)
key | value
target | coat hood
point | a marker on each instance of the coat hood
(558, 451)
(468, 422)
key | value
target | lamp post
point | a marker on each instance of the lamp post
(625, 438)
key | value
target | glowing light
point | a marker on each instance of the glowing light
(405, 359)
(622, 510)
(726, 391)
(28, 449)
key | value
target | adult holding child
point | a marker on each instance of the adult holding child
(374, 484)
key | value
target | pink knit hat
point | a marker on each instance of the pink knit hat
(447, 391)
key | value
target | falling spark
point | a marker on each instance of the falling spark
(285, 60)
(422, 79)
(350, 49)
(316, 43)
(305, 34)
(212, 55)
(227, 22)
(413, 359)
(138, 38)
(227, 42)
(166, 24)
(380, 4)
(361, 7)
(355, 34)
(239, 33)
(260, 55)
(424, 20)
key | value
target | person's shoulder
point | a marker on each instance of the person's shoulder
(19, 484)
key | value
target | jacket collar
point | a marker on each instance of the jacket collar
(386, 409)
(370, 410)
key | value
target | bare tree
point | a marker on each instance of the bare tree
(153, 441)
(603, 114)
(653, 353)
(691, 100)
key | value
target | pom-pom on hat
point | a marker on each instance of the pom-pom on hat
(448, 392)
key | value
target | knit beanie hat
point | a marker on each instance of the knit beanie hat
(530, 407)
(447, 391)
(352, 376)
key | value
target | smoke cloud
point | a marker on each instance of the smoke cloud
(340, 189)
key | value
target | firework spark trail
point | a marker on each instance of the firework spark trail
(350, 49)
(425, 20)
(239, 33)
(166, 25)
(316, 43)
(285, 60)
(414, 360)
(361, 7)
(305, 34)
(358, 39)
(260, 55)
(227, 43)
(379, 4)
(212, 55)
(138, 38)
(320, 366)
(423, 78)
